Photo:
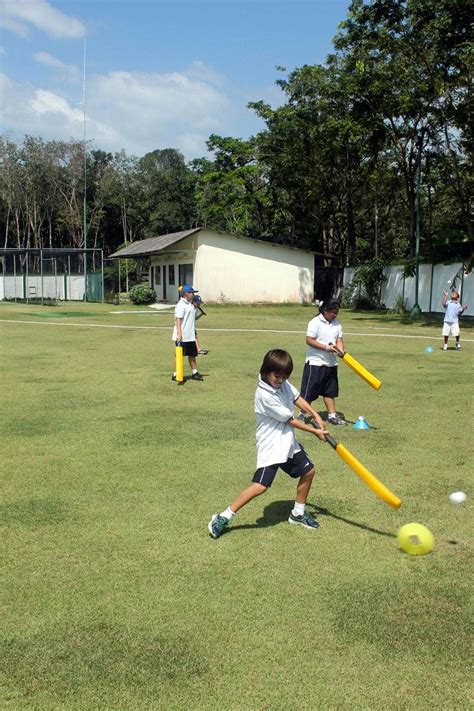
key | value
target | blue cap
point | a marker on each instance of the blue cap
(188, 289)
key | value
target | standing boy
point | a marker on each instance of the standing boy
(453, 310)
(185, 319)
(277, 446)
(324, 340)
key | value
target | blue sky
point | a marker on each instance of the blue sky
(158, 74)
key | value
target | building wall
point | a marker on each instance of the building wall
(239, 270)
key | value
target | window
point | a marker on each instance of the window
(158, 276)
(185, 274)
(171, 280)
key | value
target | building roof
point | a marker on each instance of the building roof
(152, 245)
(155, 245)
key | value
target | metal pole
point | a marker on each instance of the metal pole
(102, 272)
(416, 311)
(85, 179)
(27, 279)
(14, 273)
(431, 285)
(56, 279)
(42, 281)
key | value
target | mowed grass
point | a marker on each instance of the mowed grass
(115, 596)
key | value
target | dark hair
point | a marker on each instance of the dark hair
(330, 305)
(278, 362)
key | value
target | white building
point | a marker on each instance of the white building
(225, 268)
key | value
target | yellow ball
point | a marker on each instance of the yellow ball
(415, 539)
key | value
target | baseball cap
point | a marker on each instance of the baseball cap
(187, 289)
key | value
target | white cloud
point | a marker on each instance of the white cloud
(135, 111)
(68, 71)
(18, 15)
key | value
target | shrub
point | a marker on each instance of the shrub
(364, 289)
(142, 294)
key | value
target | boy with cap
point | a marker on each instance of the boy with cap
(185, 319)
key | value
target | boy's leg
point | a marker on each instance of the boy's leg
(299, 515)
(219, 521)
(195, 375)
(302, 468)
(303, 487)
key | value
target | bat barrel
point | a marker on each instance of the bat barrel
(362, 372)
(179, 364)
(368, 478)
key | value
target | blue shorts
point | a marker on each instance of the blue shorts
(296, 467)
(319, 380)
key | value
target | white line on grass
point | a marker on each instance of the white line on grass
(219, 330)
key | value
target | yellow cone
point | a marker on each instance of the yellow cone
(415, 539)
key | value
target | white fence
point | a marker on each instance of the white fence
(433, 280)
(50, 286)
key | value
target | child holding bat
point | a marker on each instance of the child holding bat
(324, 339)
(277, 446)
(453, 310)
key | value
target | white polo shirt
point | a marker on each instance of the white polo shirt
(174, 335)
(185, 310)
(276, 441)
(325, 332)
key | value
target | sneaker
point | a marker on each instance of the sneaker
(458, 346)
(305, 520)
(203, 352)
(445, 347)
(173, 377)
(197, 376)
(216, 525)
(337, 420)
(307, 419)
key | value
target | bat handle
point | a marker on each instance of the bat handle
(330, 440)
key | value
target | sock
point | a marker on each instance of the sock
(174, 374)
(298, 509)
(331, 415)
(194, 370)
(228, 514)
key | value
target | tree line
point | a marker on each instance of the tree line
(363, 147)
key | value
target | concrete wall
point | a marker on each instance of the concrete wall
(240, 270)
(433, 280)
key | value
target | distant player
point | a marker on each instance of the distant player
(453, 310)
(324, 339)
(277, 446)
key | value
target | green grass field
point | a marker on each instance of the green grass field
(115, 596)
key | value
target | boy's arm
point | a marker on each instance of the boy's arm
(306, 407)
(179, 329)
(298, 425)
(445, 298)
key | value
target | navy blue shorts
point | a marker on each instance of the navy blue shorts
(295, 467)
(190, 348)
(319, 380)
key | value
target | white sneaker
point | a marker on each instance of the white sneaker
(458, 346)
(445, 347)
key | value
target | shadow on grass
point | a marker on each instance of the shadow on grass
(278, 511)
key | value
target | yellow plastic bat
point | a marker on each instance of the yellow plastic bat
(360, 370)
(179, 364)
(363, 473)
